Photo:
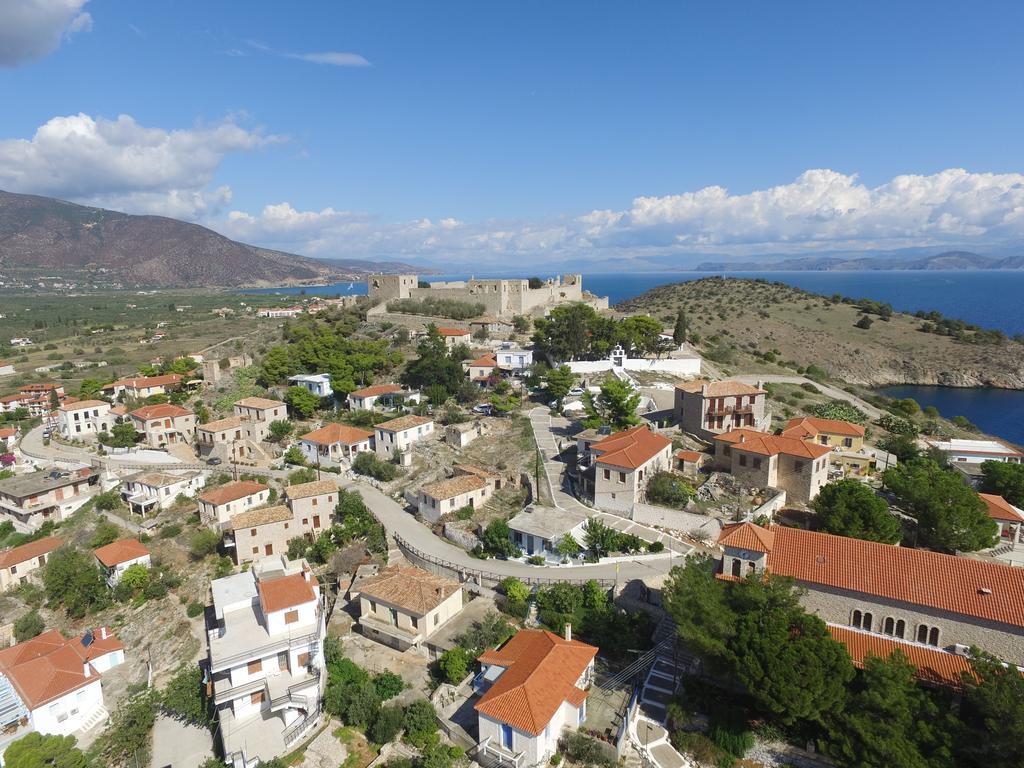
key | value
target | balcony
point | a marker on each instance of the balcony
(490, 754)
(411, 636)
(725, 410)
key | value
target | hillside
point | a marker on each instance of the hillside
(948, 260)
(738, 321)
(43, 236)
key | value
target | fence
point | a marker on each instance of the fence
(481, 576)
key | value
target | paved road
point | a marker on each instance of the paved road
(833, 392)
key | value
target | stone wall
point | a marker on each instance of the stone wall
(690, 523)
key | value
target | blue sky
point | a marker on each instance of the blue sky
(469, 132)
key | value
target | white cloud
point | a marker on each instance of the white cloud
(334, 58)
(31, 29)
(820, 210)
(122, 164)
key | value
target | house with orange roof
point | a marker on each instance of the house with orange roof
(52, 685)
(532, 689)
(385, 395)
(1009, 518)
(708, 408)
(144, 386)
(454, 336)
(217, 506)
(482, 369)
(19, 563)
(908, 595)
(622, 464)
(164, 424)
(760, 460)
(397, 435)
(335, 443)
(834, 433)
(265, 659)
(8, 437)
(118, 556)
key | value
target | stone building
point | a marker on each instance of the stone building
(708, 408)
(758, 460)
(912, 595)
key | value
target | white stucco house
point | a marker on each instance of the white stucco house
(118, 556)
(318, 384)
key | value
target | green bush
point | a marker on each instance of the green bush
(386, 725)
(194, 609)
(655, 546)
(669, 489)
(734, 740)
(584, 750)
(454, 663)
(368, 464)
(204, 543)
(420, 722)
(388, 685)
(514, 589)
(456, 310)
(838, 409)
(28, 626)
(170, 531)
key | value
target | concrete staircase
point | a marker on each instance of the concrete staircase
(99, 715)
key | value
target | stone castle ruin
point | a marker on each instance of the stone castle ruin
(501, 298)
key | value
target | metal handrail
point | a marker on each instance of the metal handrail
(293, 732)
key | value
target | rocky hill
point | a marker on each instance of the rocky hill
(947, 260)
(44, 236)
(760, 326)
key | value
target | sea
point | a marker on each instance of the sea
(989, 299)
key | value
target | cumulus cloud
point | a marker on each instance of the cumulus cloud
(122, 164)
(31, 29)
(334, 58)
(820, 210)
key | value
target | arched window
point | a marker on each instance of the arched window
(857, 618)
(901, 628)
(933, 637)
(866, 626)
(889, 626)
(922, 633)
(736, 565)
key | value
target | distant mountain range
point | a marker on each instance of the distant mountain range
(44, 236)
(948, 260)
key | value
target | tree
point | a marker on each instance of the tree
(454, 663)
(567, 546)
(386, 725)
(72, 579)
(294, 455)
(90, 389)
(903, 447)
(434, 365)
(521, 323)
(122, 435)
(301, 401)
(638, 334)
(1004, 479)
(183, 697)
(203, 543)
(615, 406)
(514, 589)
(951, 517)
(105, 533)
(680, 328)
(388, 684)
(280, 429)
(497, 539)
(128, 731)
(420, 722)
(558, 382)
(107, 501)
(668, 489)
(28, 625)
(889, 720)
(534, 283)
(598, 537)
(35, 750)
(567, 333)
(850, 508)
(278, 365)
(992, 714)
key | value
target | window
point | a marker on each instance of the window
(255, 550)
(255, 666)
(757, 463)
(901, 628)
(736, 565)
(314, 501)
(252, 531)
(933, 636)
(291, 617)
(622, 477)
(868, 619)
(858, 618)
(607, 474)
(848, 442)
(437, 619)
(303, 659)
(256, 698)
(743, 460)
(889, 626)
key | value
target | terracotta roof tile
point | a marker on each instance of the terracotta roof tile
(1000, 509)
(286, 592)
(315, 488)
(220, 425)
(233, 492)
(120, 551)
(404, 422)
(747, 536)
(541, 670)
(408, 587)
(329, 434)
(726, 388)
(253, 518)
(29, 551)
(690, 456)
(161, 411)
(485, 361)
(803, 427)
(961, 585)
(934, 666)
(376, 390)
(763, 444)
(452, 332)
(260, 403)
(142, 382)
(80, 404)
(454, 486)
(630, 449)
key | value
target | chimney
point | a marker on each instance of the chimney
(568, 630)
(86, 669)
(103, 633)
(305, 574)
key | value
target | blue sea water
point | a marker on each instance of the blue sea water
(988, 299)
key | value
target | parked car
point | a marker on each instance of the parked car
(214, 461)
(576, 392)
(485, 409)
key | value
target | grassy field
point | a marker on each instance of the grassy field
(767, 327)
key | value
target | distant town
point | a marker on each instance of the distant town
(491, 521)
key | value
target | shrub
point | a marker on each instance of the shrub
(897, 426)
(655, 546)
(736, 741)
(367, 463)
(204, 543)
(420, 722)
(107, 501)
(386, 725)
(838, 409)
(388, 685)
(517, 609)
(105, 533)
(194, 609)
(28, 626)
(454, 663)
(536, 560)
(669, 489)
(514, 589)
(170, 531)
(585, 750)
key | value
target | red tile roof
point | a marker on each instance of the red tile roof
(747, 536)
(258, 403)
(809, 426)
(690, 456)
(763, 444)
(233, 492)
(934, 666)
(29, 551)
(375, 390)
(286, 592)
(541, 670)
(120, 551)
(961, 585)
(630, 449)
(8, 432)
(161, 411)
(143, 382)
(1000, 509)
(485, 361)
(329, 434)
(452, 332)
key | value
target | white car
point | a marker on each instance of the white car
(576, 392)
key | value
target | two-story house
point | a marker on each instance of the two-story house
(454, 336)
(265, 659)
(402, 606)
(139, 387)
(910, 595)
(398, 434)
(258, 413)
(216, 507)
(1009, 518)
(534, 688)
(52, 685)
(312, 504)
(849, 451)
(118, 556)
(318, 384)
(623, 462)
(368, 398)
(54, 494)
(514, 360)
(707, 408)
(446, 496)
(238, 437)
(164, 424)
(757, 460)
(19, 563)
(148, 492)
(335, 443)
(308, 510)
(84, 419)
(482, 369)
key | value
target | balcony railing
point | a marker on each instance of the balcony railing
(294, 731)
(218, 662)
(727, 409)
